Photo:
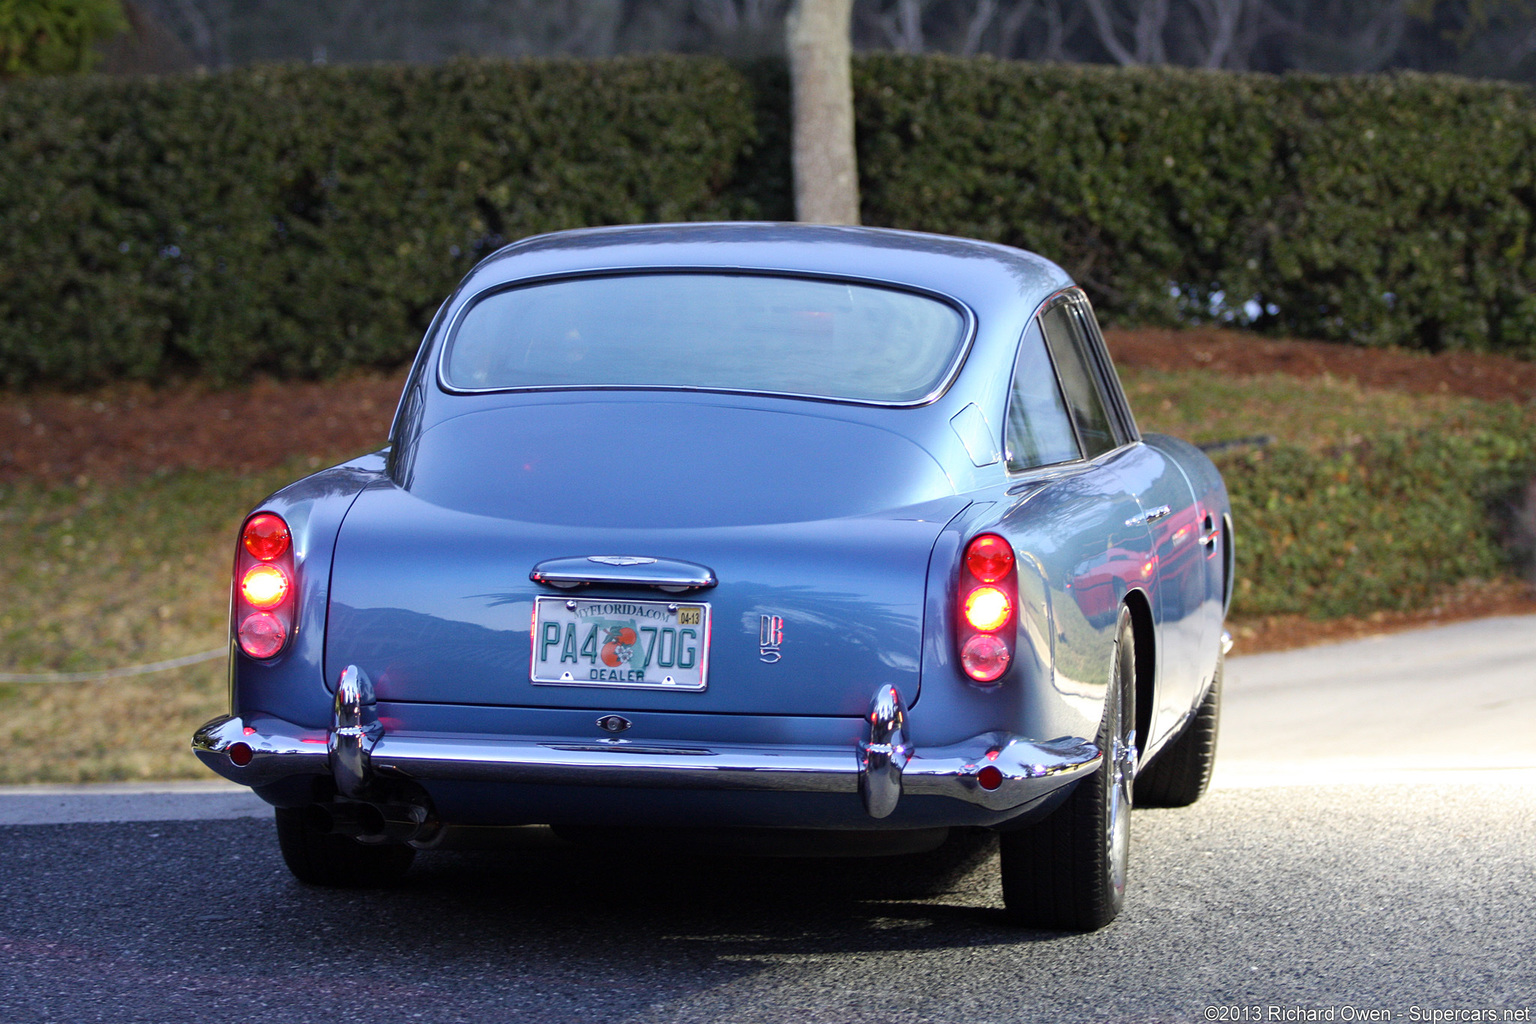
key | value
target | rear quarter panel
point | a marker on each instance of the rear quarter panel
(292, 685)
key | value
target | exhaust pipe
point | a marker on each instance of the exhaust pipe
(375, 823)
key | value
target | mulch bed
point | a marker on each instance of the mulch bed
(1472, 374)
(132, 430)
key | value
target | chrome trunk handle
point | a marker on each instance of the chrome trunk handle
(669, 574)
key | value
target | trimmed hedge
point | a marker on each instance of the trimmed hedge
(55, 37)
(304, 220)
(1387, 210)
(301, 220)
(1382, 523)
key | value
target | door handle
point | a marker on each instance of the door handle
(1208, 532)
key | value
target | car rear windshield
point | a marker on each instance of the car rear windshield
(732, 332)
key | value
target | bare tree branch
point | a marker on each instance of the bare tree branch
(728, 17)
(1220, 20)
(903, 26)
(205, 42)
(976, 27)
(1335, 36)
(1145, 28)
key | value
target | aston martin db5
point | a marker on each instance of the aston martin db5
(741, 527)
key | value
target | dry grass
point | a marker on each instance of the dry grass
(103, 576)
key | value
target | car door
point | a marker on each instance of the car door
(1082, 521)
(1173, 569)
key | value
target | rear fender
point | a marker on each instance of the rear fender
(953, 707)
(292, 685)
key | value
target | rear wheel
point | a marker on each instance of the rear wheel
(1181, 771)
(1068, 871)
(319, 858)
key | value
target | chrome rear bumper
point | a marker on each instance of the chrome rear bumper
(993, 770)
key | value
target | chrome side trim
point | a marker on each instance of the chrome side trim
(1151, 515)
(885, 754)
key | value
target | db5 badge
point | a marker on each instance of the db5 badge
(770, 636)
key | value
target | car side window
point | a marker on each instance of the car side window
(1069, 350)
(1039, 432)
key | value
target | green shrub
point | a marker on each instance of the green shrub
(54, 37)
(1381, 523)
(1387, 210)
(303, 220)
(299, 220)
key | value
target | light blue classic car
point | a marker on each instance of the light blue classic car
(741, 527)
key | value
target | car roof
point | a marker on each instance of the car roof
(977, 273)
(1001, 286)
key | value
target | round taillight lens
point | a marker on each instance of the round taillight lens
(262, 635)
(989, 558)
(264, 586)
(240, 754)
(985, 657)
(990, 777)
(265, 536)
(988, 609)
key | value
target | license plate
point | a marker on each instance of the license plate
(653, 645)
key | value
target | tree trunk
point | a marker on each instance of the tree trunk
(826, 171)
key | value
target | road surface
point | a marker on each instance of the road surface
(1365, 854)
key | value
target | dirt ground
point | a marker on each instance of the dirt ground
(1474, 375)
(127, 430)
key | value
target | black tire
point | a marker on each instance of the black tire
(1181, 771)
(341, 862)
(1067, 872)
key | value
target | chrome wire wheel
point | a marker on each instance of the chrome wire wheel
(1068, 870)
(1122, 756)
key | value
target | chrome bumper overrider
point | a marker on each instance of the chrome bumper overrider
(882, 768)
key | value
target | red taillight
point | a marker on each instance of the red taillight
(240, 754)
(989, 558)
(266, 600)
(988, 599)
(264, 586)
(990, 777)
(265, 536)
(988, 609)
(985, 657)
(262, 635)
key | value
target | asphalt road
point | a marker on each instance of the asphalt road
(1358, 874)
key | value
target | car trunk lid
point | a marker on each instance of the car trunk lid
(817, 601)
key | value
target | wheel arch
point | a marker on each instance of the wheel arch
(1228, 564)
(1146, 662)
